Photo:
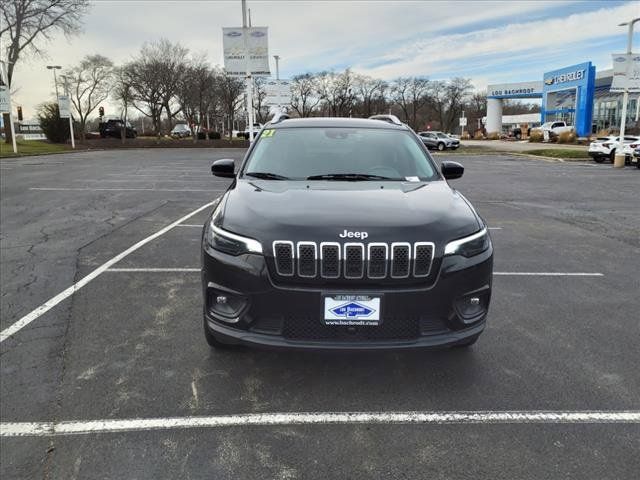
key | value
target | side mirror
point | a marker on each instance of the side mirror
(224, 168)
(451, 170)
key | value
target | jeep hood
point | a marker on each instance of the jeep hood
(322, 210)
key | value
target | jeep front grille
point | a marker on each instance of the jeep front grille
(332, 260)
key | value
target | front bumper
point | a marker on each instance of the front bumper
(290, 316)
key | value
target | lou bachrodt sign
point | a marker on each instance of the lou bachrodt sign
(64, 104)
(5, 99)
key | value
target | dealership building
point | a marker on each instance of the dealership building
(576, 94)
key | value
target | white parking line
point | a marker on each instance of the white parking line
(71, 189)
(44, 429)
(190, 225)
(52, 302)
(495, 228)
(153, 270)
(552, 274)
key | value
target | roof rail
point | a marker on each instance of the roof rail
(279, 117)
(386, 118)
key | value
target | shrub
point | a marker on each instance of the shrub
(478, 135)
(465, 136)
(567, 137)
(212, 135)
(536, 136)
(493, 135)
(56, 129)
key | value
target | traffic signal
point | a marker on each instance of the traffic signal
(19, 114)
(101, 111)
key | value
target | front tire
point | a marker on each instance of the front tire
(440, 147)
(598, 159)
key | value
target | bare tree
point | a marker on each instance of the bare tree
(144, 73)
(371, 94)
(447, 99)
(230, 92)
(337, 92)
(26, 23)
(123, 93)
(89, 85)
(260, 95)
(304, 96)
(411, 95)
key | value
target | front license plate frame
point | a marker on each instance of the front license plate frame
(352, 309)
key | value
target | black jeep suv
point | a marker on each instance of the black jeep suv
(342, 234)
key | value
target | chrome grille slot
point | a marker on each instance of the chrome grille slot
(400, 260)
(422, 258)
(283, 254)
(330, 260)
(307, 259)
(353, 260)
(377, 255)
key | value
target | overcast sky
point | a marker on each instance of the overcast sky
(489, 42)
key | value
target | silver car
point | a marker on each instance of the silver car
(438, 141)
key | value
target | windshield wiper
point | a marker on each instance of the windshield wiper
(348, 177)
(266, 176)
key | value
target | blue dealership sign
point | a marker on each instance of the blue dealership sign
(580, 78)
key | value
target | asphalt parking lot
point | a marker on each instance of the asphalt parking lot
(113, 379)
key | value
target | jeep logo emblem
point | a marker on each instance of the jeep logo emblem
(348, 234)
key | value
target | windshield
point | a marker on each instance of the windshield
(300, 153)
(443, 135)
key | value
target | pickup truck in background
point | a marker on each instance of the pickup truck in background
(554, 128)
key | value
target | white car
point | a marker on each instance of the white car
(629, 146)
(181, 130)
(604, 148)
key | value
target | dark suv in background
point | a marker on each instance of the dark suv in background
(343, 234)
(113, 128)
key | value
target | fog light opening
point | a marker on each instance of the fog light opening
(470, 307)
(226, 306)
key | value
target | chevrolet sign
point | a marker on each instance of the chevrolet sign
(565, 77)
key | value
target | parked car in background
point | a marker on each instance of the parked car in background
(181, 130)
(256, 129)
(628, 147)
(438, 141)
(635, 158)
(604, 148)
(113, 128)
(554, 128)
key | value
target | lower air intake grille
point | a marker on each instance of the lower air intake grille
(310, 328)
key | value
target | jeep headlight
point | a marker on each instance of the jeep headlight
(469, 246)
(225, 241)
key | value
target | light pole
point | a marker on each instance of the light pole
(55, 79)
(277, 57)
(619, 159)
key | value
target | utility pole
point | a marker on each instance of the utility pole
(55, 79)
(5, 79)
(245, 35)
(277, 57)
(619, 160)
